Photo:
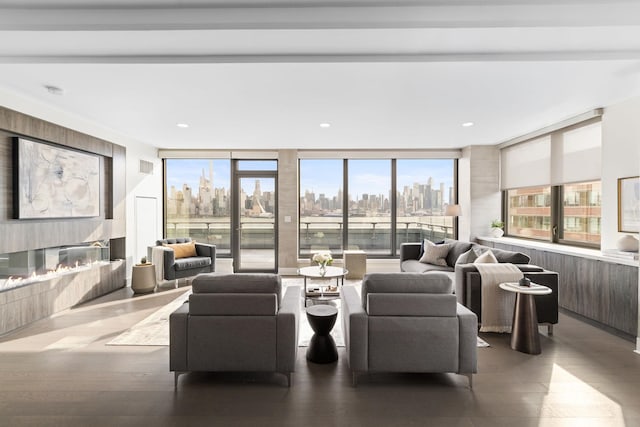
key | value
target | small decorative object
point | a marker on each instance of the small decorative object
(628, 243)
(497, 228)
(525, 282)
(143, 260)
(323, 259)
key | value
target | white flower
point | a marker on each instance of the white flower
(322, 257)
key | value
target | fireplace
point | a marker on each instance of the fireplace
(27, 267)
(37, 283)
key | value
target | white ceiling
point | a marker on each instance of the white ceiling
(265, 74)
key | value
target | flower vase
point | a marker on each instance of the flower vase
(323, 268)
(497, 232)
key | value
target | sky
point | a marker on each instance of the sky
(373, 176)
(323, 176)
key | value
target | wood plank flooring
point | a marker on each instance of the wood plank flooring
(59, 372)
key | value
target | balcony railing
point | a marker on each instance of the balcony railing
(369, 234)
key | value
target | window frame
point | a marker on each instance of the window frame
(557, 216)
(394, 250)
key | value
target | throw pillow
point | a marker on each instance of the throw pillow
(435, 254)
(467, 257)
(183, 250)
(486, 258)
(424, 243)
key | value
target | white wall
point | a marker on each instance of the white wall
(141, 185)
(478, 190)
(620, 158)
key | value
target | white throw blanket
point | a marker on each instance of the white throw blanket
(497, 304)
(157, 259)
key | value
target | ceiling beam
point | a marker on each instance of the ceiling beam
(388, 57)
(320, 16)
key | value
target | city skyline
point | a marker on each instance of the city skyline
(369, 184)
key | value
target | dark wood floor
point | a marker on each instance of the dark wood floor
(59, 371)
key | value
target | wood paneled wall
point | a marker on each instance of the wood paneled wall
(20, 235)
(603, 291)
(20, 306)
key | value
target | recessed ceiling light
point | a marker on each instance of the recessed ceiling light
(182, 125)
(467, 124)
(54, 90)
(325, 125)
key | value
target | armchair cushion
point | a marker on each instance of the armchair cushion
(384, 304)
(189, 263)
(253, 283)
(412, 283)
(236, 304)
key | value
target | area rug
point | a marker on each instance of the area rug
(154, 329)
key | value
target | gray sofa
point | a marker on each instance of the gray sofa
(179, 268)
(238, 323)
(408, 322)
(467, 280)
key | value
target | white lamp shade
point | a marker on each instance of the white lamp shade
(453, 210)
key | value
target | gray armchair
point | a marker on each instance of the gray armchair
(408, 322)
(175, 268)
(238, 323)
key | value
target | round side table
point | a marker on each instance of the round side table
(322, 347)
(524, 332)
(143, 278)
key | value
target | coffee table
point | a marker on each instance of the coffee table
(524, 332)
(324, 292)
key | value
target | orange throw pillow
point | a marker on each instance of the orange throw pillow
(183, 250)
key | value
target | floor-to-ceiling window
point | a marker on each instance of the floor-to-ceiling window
(369, 206)
(197, 194)
(373, 204)
(321, 193)
(424, 188)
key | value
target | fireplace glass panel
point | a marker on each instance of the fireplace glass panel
(25, 267)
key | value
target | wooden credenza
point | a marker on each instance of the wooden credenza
(599, 288)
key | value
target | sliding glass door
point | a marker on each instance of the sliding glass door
(255, 221)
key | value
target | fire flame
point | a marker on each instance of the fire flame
(13, 282)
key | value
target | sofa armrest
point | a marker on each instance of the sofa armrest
(468, 350)
(355, 326)
(203, 249)
(546, 305)
(178, 328)
(409, 251)
(462, 284)
(287, 327)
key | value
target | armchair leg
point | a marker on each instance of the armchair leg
(550, 329)
(354, 378)
(176, 374)
(288, 375)
(470, 377)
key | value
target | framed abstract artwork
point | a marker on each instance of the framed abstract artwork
(51, 181)
(629, 204)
